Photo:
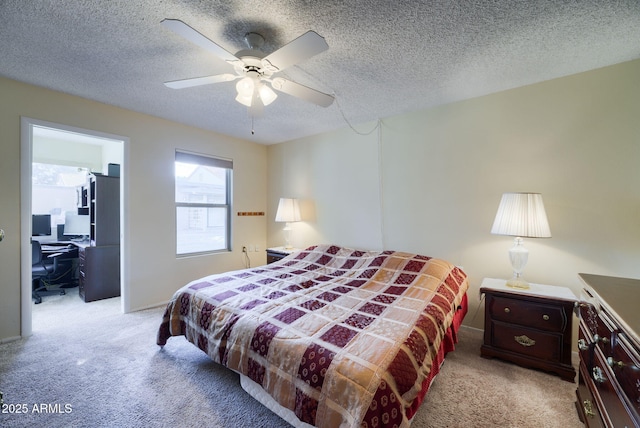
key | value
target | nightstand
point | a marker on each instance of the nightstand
(277, 253)
(531, 328)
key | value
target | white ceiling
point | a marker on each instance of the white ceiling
(384, 57)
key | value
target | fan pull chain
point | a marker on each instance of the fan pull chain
(252, 131)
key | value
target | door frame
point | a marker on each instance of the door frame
(26, 158)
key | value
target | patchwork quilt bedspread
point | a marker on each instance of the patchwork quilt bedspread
(340, 337)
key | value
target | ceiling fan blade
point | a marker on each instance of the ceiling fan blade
(182, 29)
(302, 92)
(198, 81)
(296, 51)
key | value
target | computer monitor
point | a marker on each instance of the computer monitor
(40, 224)
(76, 225)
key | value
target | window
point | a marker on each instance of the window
(203, 203)
(54, 190)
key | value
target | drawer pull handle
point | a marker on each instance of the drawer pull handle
(507, 310)
(588, 408)
(613, 364)
(598, 376)
(598, 338)
(545, 317)
(582, 345)
(524, 340)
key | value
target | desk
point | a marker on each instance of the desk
(96, 269)
(99, 268)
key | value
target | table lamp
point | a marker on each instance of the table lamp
(521, 215)
(288, 212)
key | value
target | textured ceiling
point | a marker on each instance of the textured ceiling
(384, 57)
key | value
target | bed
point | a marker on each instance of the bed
(328, 336)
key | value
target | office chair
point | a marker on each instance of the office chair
(44, 274)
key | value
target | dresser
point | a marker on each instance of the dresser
(608, 393)
(531, 327)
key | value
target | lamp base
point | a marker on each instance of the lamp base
(287, 236)
(518, 256)
(519, 283)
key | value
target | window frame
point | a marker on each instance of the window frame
(184, 156)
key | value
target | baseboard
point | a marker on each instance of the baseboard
(152, 306)
(10, 339)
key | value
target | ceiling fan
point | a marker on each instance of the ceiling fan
(256, 70)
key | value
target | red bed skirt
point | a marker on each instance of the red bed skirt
(447, 345)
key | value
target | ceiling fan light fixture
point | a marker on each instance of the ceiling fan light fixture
(266, 94)
(244, 99)
(245, 87)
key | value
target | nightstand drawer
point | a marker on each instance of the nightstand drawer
(278, 253)
(530, 314)
(274, 257)
(532, 343)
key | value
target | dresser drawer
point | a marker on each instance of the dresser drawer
(625, 364)
(585, 347)
(600, 333)
(605, 333)
(588, 311)
(529, 342)
(605, 349)
(604, 381)
(532, 314)
(610, 347)
(586, 404)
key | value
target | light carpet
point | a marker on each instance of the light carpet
(88, 365)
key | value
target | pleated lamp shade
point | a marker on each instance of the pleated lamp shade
(523, 215)
(288, 210)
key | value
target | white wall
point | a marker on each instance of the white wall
(154, 271)
(440, 173)
(111, 153)
(337, 169)
(70, 153)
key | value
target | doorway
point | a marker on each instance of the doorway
(91, 151)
